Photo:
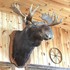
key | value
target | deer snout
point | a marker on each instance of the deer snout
(48, 36)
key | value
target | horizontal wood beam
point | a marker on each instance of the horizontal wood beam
(66, 7)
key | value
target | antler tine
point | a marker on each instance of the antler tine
(31, 8)
(33, 11)
(51, 20)
(55, 20)
(16, 9)
(30, 15)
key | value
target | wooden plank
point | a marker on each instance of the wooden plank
(68, 48)
(14, 22)
(40, 58)
(43, 67)
(0, 36)
(55, 41)
(65, 59)
(48, 45)
(20, 23)
(58, 42)
(9, 30)
(19, 68)
(35, 56)
(43, 53)
(62, 2)
(63, 51)
(4, 28)
(61, 48)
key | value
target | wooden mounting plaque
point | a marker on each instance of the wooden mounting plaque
(12, 35)
(11, 47)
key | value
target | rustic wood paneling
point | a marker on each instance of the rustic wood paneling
(40, 55)
(60, 7)
(8, 23)
(61, 41)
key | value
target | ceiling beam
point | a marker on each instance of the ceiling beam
(66, 7)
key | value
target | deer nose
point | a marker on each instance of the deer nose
(50, 36)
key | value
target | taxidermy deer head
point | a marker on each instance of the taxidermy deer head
(32, 35)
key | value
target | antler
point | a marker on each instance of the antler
(31, 11)
(51, 20)
(26, 18)
(16, 9)
(30, 15)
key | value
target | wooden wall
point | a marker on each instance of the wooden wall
(40, 55)
(61, 41)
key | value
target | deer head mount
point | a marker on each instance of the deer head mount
(32, 35)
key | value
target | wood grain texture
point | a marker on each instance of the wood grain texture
(60, 41)
(40, 55)
(60, 7)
